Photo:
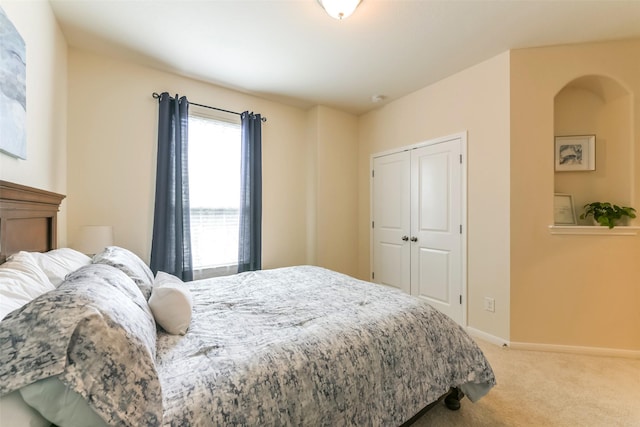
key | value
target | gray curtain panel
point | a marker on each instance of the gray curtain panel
(250, 243)
(171, 244)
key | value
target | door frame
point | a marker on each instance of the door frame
(462, 136)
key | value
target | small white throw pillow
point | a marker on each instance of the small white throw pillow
(171, 303)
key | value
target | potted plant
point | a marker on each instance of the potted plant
(605, 213)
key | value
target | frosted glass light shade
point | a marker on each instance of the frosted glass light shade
(94, 238)
(339, 9)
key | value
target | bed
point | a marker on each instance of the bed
(289, 346)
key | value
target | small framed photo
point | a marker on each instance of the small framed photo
(563, 210)
(575, 153)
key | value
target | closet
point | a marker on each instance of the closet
(417, 222)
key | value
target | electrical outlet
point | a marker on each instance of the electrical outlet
(489, 304)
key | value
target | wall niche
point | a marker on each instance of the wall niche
(600, 106)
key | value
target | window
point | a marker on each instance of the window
(214, 193)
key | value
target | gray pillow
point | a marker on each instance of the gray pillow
(14, 411)
(59, 404)
(130, 264)
(96, 334)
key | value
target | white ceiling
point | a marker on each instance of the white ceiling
(293, 52)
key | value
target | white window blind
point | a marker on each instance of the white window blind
(214, 192)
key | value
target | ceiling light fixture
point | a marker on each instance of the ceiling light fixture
(339, 9)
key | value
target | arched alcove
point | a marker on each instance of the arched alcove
(600, 106)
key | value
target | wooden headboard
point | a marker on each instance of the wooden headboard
(28, 219)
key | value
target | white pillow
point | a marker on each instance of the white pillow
(21, 280)
(57, 263)
(171, 303)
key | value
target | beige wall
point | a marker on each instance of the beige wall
(112, 154)
(333, 158)
(477, 101)
(46, 48)
(571, 290)
(606, 114)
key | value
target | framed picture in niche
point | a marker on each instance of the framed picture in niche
(563, 211)
(575, 153)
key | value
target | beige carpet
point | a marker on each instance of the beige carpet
(550, 389)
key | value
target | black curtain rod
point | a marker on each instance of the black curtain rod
(156, 95)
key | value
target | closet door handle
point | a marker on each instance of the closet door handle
(414, 239)
(405, 238)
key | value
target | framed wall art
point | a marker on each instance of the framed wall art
(563, 211)
(575, 153)
(13, 100)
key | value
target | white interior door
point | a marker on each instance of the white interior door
(436, 226)
(391, 220)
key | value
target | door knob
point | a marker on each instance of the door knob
(405, 238)
(414, 239)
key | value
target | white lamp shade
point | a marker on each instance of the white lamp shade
(94, 238)
(339, 9)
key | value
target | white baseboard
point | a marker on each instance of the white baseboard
(554, 348)
(588, 351)
(477, 333)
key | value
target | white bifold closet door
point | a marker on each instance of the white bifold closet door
(417, 224)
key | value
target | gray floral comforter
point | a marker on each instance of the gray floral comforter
(96, 334)
(307, 346)
(292, 346)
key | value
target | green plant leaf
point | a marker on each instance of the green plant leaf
(606, 213)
